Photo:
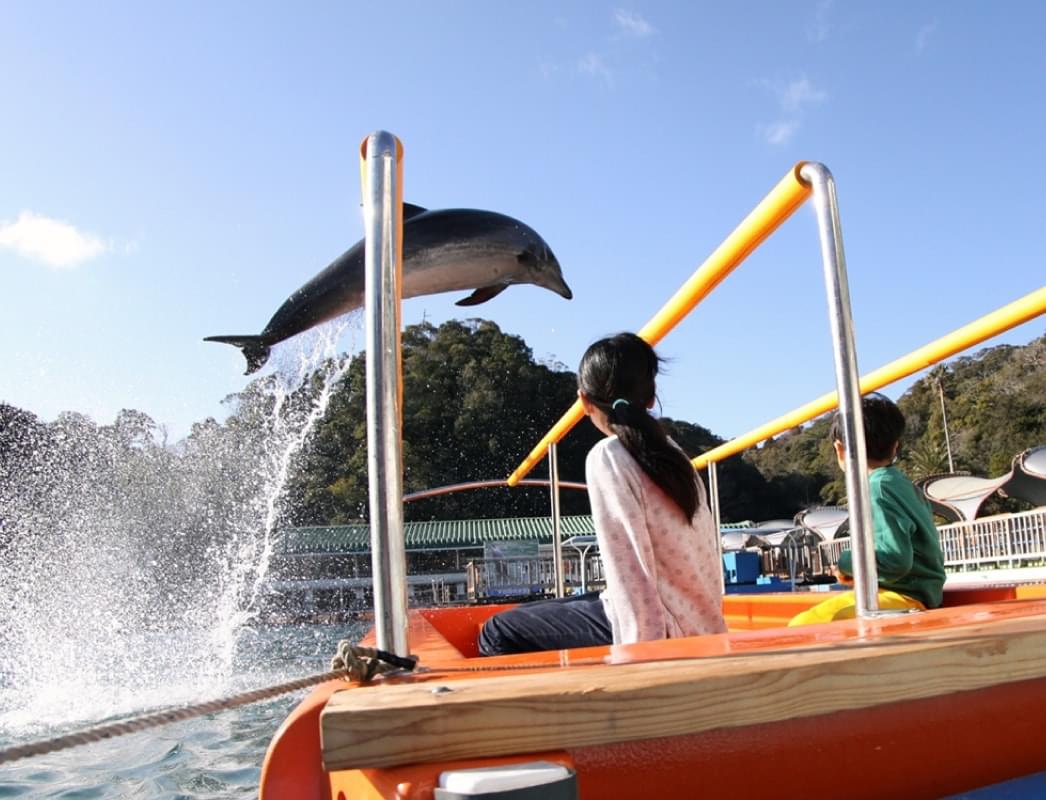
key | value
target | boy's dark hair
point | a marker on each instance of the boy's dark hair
(617, 375)
(883, 426)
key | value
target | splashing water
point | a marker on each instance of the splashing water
(249, 563)
(129, 568)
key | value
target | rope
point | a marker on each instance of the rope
(358, 663)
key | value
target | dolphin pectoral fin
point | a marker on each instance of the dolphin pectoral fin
(411, 210)
(254, 348)
(482, 295)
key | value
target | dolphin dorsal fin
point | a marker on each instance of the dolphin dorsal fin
(411, 210)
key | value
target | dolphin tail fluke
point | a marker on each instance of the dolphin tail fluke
(254, 348)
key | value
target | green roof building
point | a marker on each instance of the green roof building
(437, 535)
(324, 571)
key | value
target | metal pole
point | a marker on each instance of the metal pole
(557, 545)
(584, 574)
(461, 487)
(947, 439)
(847, 379)
(383, 266)
(713, 503)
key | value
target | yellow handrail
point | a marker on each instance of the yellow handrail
(1009, 316)
(765, 218)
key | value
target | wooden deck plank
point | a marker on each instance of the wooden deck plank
(507, 713)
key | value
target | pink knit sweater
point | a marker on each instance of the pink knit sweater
(662, 573)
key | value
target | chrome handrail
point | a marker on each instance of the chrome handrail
(848, 383)
(713, 506)
(383, 267)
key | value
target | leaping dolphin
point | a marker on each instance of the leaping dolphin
(443, 251)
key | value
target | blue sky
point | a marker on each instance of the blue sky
(172, 171)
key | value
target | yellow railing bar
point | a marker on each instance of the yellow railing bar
(765, 218)
(1009, 316)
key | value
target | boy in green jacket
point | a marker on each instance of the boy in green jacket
(907, 545)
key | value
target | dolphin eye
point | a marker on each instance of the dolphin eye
(526, 257)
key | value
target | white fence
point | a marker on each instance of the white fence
(1006, 541)
(1003, 541)
(515, 577)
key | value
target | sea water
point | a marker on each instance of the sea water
(110, 606)
(216, 756)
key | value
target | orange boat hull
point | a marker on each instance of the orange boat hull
(928, 747)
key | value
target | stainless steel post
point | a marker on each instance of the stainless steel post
(557, 544)
(383, 266)
(947, 438)
(848, 385)
(713, 504)
(584, 570)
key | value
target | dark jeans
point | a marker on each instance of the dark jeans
(574, 621)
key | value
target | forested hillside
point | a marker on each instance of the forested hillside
(995, 405)
(476, 402)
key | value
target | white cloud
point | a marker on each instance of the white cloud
(632, 24)
(820, 28)
(594, 65)
(798, 94)
(792, 98)
(922, 38)
(50, 241)
(620, 53)
(781, 131)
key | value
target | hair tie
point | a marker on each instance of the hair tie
(619, 411)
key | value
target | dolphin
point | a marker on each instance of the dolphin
(443, 251)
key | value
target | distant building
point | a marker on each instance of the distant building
(326, 570)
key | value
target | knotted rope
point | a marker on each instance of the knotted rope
(364, 663)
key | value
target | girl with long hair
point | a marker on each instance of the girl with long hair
(656, 537)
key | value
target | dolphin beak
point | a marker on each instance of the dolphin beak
(555, 276)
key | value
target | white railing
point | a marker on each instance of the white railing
(1005, 540)
(525, 576)
(830, 551)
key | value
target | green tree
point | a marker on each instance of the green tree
(474, 403)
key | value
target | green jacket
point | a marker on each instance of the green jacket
(907, 545)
